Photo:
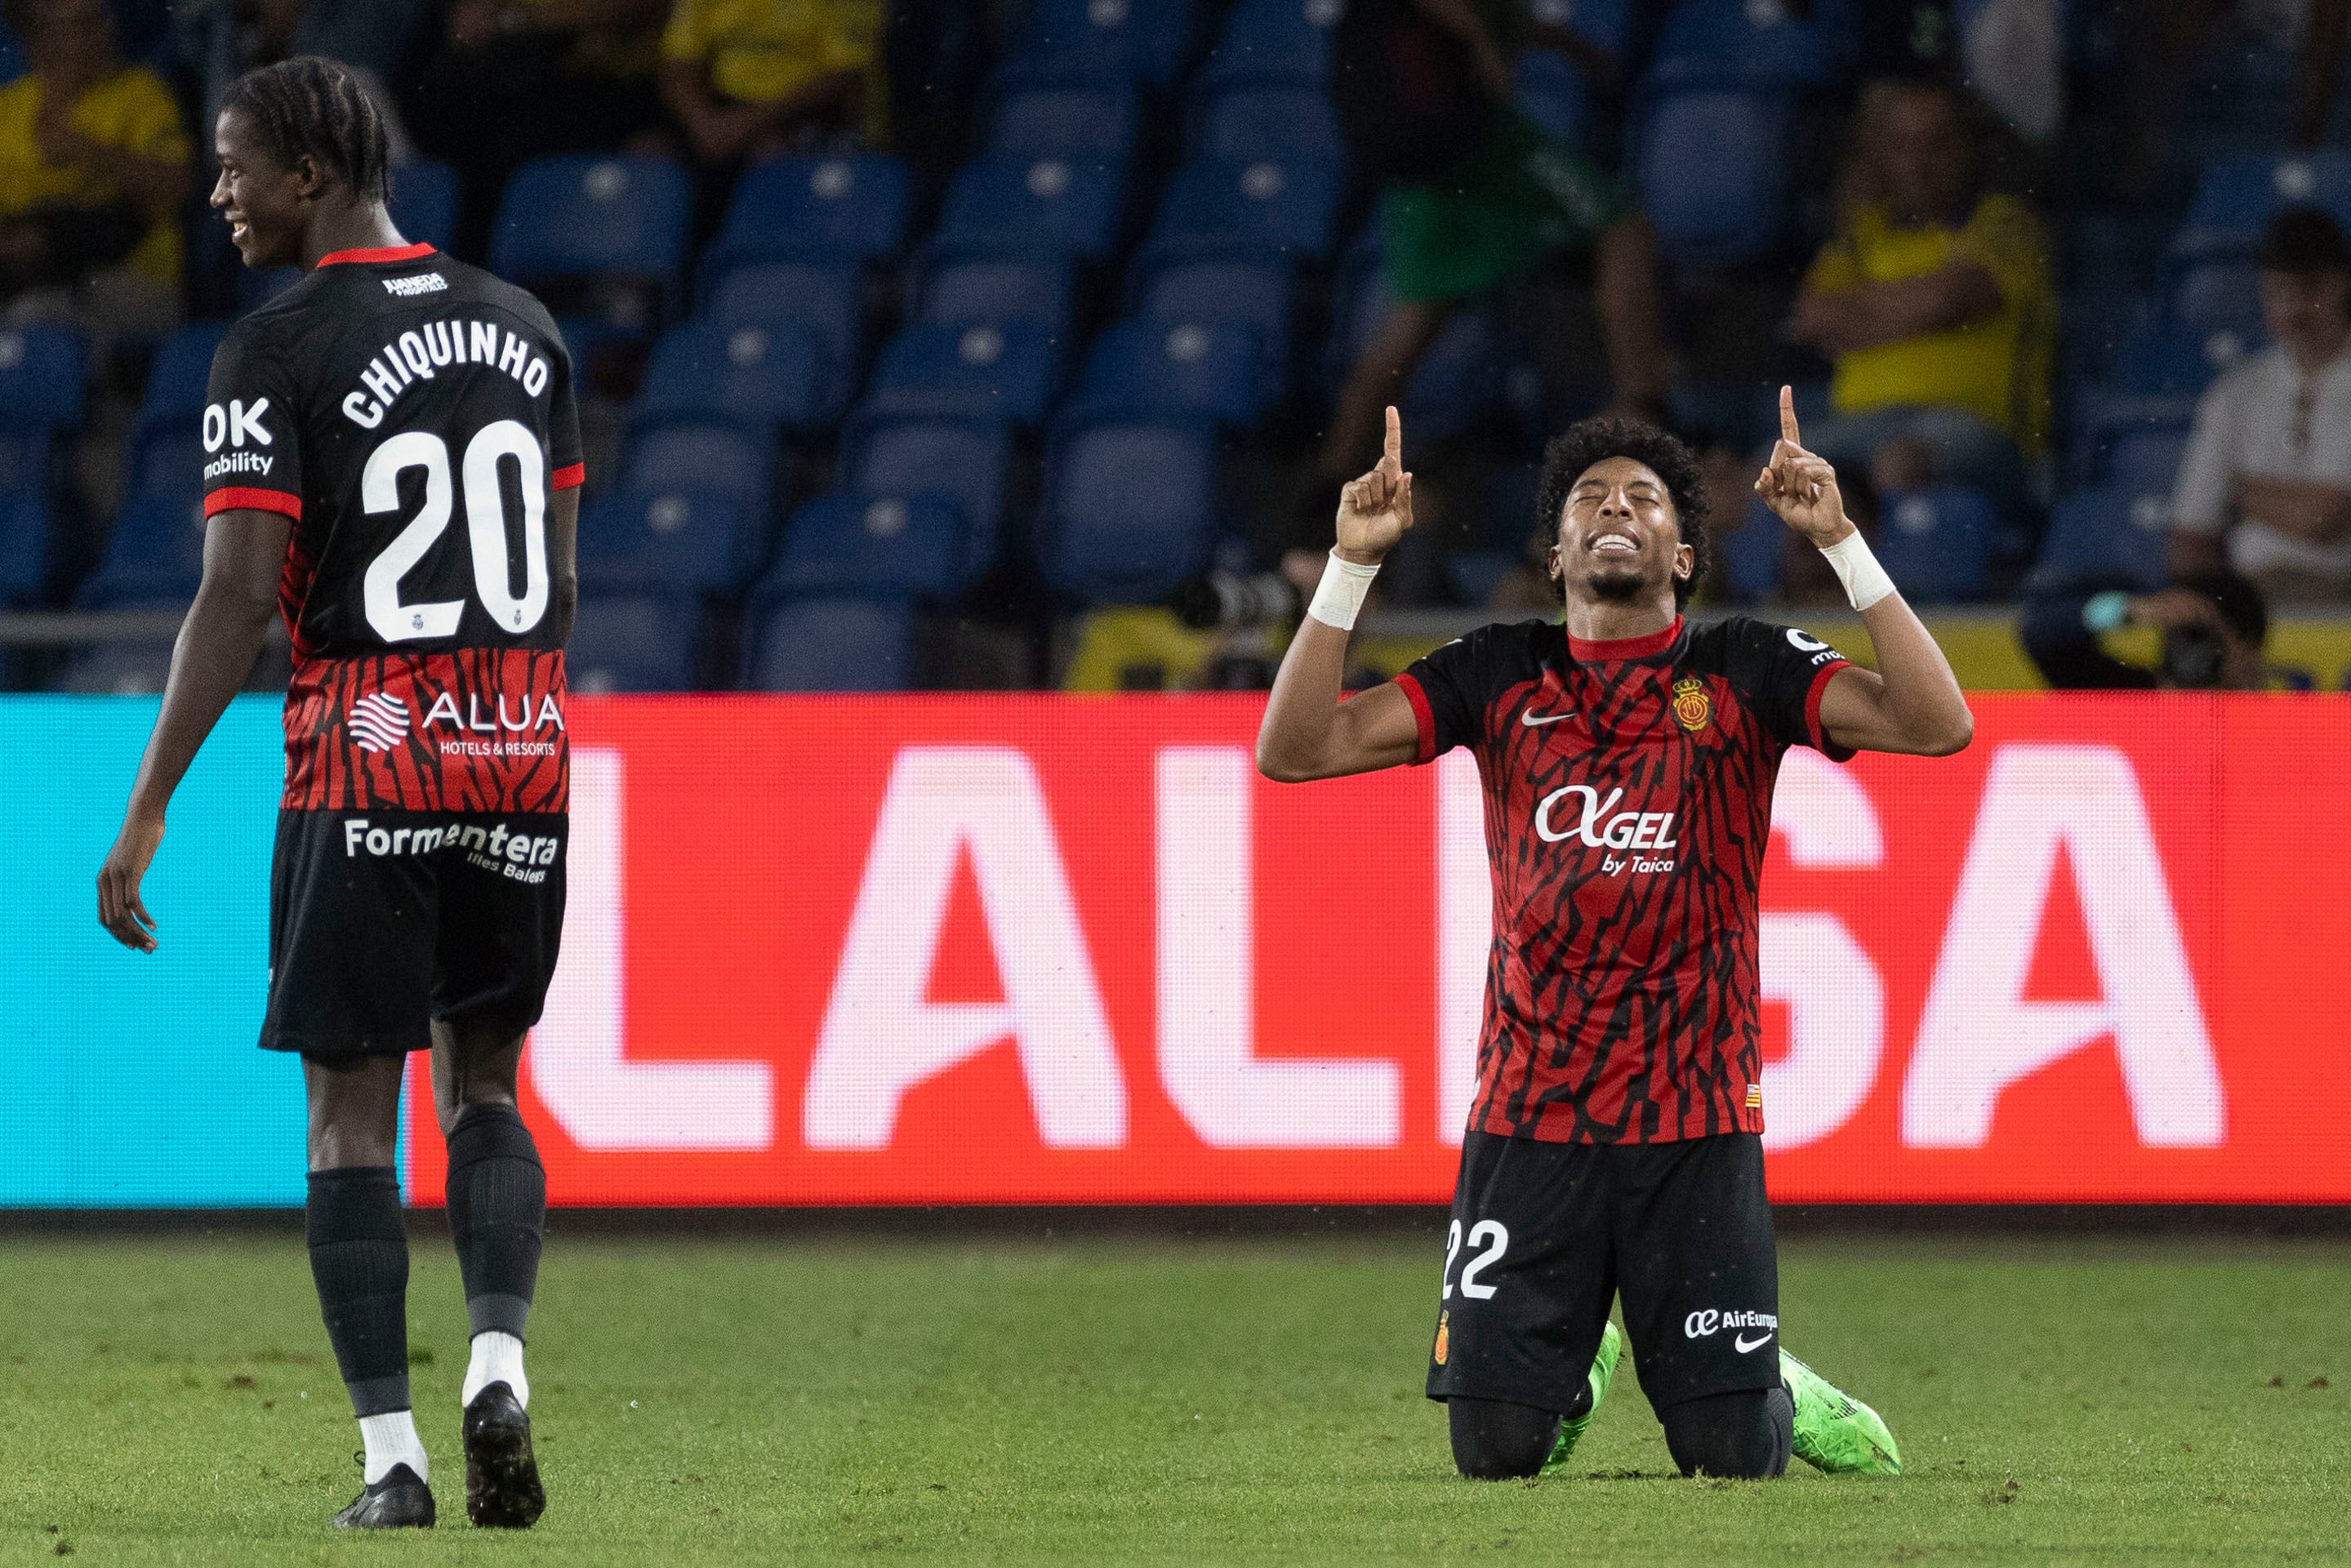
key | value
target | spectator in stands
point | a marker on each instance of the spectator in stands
(220, 40)
(93, 166)
(517, 80)
(2272, 437)
(745, 79)
(2213, 626)
(1934, 302)
(1472, 196)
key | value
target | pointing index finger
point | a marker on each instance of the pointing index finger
(1788, 431)
(1393, 456)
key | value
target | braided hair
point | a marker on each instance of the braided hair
(310, 105)
(1596, 440)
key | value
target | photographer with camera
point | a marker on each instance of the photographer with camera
(2213, 626)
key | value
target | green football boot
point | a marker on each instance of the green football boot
(1603, 1373)
(1835, 1431)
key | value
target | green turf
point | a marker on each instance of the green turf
(727, 1401)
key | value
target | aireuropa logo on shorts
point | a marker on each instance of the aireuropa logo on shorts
(1702, 1324)
(524, 857)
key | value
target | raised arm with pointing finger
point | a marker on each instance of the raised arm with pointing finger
(1913, 702)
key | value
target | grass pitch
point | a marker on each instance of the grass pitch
(720, 1401)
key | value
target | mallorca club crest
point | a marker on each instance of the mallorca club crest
(1692, 708)
(1442, 1337)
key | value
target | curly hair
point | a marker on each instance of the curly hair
(1596, 440)
(309, 104)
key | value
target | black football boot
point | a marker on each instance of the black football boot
(502, 1490)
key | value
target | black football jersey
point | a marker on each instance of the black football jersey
(1628, 803)
(412, 416)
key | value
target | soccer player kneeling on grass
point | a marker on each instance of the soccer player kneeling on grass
(416, 898)
(1615, 1144)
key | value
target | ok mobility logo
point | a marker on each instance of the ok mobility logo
(229, 427)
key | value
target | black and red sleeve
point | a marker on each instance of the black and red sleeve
(1782, 673)
(252, 428)
(1448, 690)
(564, 466)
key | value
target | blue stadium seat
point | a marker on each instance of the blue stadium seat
(2220, 296)
(588, 215)
(964, 462)
(1033, 205)
(1101, 41)
(1254, 290)
(633, 643)
(40, 393)
(1268, 205)
(1751, 554)
(669, 456)
(424, 203)
(1552, 94)
(1247, 122)
(24, 547)
(982, 287)
(1087, 124)
(1936, 544)
(1131, 509)
(835, 208)
(1142, 369)
(1607, 23)
(2239, 194)
(883, 545)
(1758, 41)
(180, 376)
(981, 370)
(2143, 459)
(1712, 165)
(1457, 382)
(40, 378)
(1283, 40)
(758, 375)
(679, 543)
(832, 644)
(2168, 360)
(2107, 532)
(827, 297)
(156, 551)
(166, 459)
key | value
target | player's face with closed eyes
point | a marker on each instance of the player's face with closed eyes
(1619, 536)
(261, 200)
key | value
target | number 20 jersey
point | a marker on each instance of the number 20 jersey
(412, 417)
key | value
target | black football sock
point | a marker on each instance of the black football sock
(1743, 1436)
(497, 1215)
(1494, 1440)
(359, 1259)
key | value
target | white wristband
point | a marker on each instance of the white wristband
(1339, 597)
(1865, 581)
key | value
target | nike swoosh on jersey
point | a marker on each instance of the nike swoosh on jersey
(1527, 716)
(1741, 1345)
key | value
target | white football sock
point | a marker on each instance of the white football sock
(391, 1440)
(498, 1358)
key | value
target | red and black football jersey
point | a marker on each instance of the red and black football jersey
(1628, 804)
(412, 416)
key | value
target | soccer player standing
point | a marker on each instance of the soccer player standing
(390, 457)
(1615, 1144)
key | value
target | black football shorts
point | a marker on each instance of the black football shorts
(1545, 1235)
(380, 922)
